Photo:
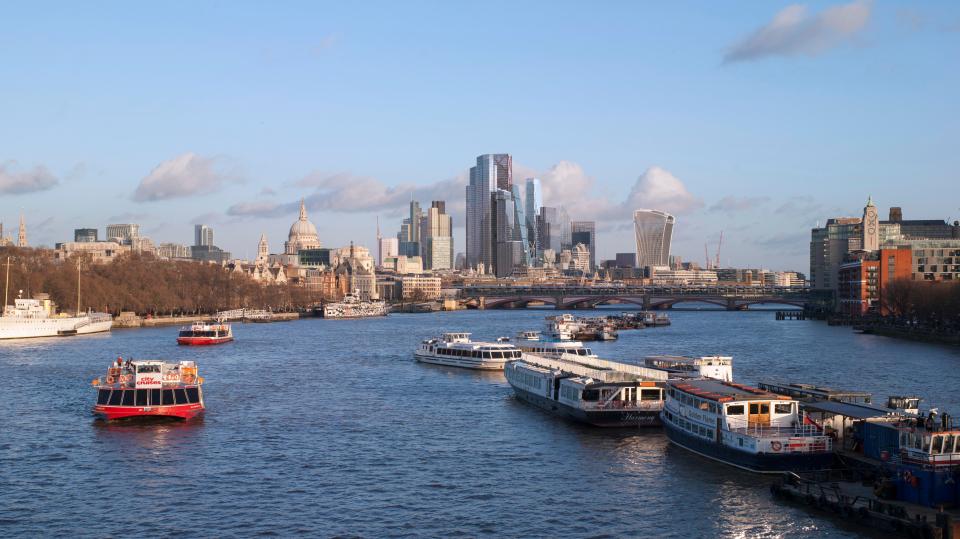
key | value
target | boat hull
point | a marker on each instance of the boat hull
(462, 362)
(180, 411)
(606, 418)
(766, 463)
(202, 341)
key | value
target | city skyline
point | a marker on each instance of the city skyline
(786, 129)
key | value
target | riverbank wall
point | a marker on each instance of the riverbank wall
(132, 320)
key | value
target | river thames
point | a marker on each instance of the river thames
(324, 428)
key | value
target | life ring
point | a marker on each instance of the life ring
(188, 378)
(111, 379)
(124, 378)
(776, 446)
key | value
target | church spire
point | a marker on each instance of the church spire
(22, 234)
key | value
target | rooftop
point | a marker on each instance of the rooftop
(716, 390)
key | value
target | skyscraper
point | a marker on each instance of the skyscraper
(585, 232)
(654, 231)
(409, 236)
(437, 238)
(202, 235)
(534, 201)
(492, 172)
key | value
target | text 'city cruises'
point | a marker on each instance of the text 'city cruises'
(457, 350)
(149, 388)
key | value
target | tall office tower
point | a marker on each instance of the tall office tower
(409, 236)
(508, 250)
(202, 235)
(585, 232)
(437, 238)
(654, 230)
(533, 202)
(81, 235)
(553, 229)
(123, 233)
(520, 229)
(492, 172)
(388, 247)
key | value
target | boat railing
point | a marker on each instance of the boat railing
(623, 405)
(761, 430)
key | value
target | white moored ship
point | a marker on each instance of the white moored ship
(353, 307)
(589, 390)
(715, 367)
(28, 318)
(457, 350)
(532, 343)
(743, 426)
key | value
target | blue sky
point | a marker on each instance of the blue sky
(755, 118)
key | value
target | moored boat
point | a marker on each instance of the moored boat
(589, 390)
(457, 350)
(716, 367)
(743, 426)
(353, 306)
(205, 333)
(531, 343)
(149, 388)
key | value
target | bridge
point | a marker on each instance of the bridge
(731, 298)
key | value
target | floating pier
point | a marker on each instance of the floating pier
(791, 315)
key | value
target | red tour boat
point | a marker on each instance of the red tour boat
(203, 333)
(149, 388)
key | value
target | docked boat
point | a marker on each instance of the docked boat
(655, 319)
(205, 333)
(457, 350)
(715, 367)
(589, 390)
(149, 388)
(531, 342)
(742, 426)
(561, 327)
(28, 318)
(352, 306)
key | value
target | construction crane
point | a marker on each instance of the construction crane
(706, 255)
(716, 263)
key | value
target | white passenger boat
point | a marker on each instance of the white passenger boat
(457, 350)
(532, 343)
(715, 367)
(28, 318)
(743, 426)
(352, 306)
(589, 390)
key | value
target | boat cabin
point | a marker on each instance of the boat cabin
(815, 392)
(930, 448)
(738, 407)
(456, 337)
(716, 367)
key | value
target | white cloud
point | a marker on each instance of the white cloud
(732, 204)
(185, 175)
(17, 183)
(658, 189)
(793, 31)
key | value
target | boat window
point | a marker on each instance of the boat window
(103, 396)
(115, 397)
(590, 395)
(193, 395)
(765, 408)
(155, 397)
(948, 443)
(148, 368)
(128, 397)
(142, 397)
(713, 408)
(926, 444)
(649, 394)
(702, 404)
(735, 409)
(181, 395)
(937, 445)
(497, 355)
(754, 408)
(168, 397)
(783, 408)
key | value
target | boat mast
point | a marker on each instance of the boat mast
(78, 286)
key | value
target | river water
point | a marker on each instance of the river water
(323, 428)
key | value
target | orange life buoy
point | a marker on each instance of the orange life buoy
(111, 379)
(188, 379)
(124, 378)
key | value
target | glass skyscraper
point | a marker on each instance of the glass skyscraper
(492, 172)
(654, 231)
